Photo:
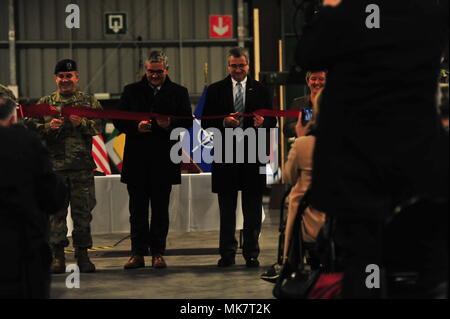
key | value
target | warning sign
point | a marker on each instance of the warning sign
(221, 26)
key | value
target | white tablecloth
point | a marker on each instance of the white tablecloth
(193, 207)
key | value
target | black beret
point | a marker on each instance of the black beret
(66, 65)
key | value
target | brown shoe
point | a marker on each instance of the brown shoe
(135, 262)
(158, 262)
(58, 265)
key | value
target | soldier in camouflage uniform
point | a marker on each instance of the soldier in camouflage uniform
(69, 141)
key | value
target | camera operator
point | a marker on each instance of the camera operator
(382, 84)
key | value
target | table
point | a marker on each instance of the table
(193, 207)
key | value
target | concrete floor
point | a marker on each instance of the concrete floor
(192, 271)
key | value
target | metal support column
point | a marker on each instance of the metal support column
(282, 102)
(12, 45)
(241, 27)
(180, 39)
(256, 43)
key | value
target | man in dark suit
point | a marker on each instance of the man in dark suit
(29, 192)
(147, 168)
(238, 93)
(379, 139)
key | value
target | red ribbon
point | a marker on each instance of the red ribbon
(41, 110)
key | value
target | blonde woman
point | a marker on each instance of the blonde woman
(298, 172)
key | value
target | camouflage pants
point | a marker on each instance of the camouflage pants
(81, 197)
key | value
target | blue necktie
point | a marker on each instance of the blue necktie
(239, 103)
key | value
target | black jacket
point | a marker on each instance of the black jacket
(219, 101)
(147, 156)
(29, 192)
(378, 126)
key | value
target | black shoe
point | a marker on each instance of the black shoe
(225, 262)
(272, 274)
(83, 261)
(252, 263)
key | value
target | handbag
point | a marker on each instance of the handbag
(329, 283)
(295, 281)
(297, 285)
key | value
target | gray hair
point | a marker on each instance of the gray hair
(158, 57)
(7, 107)
(237, 52)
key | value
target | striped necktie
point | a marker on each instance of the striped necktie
(239, 102)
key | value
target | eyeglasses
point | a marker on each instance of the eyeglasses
(235, 66)
(155, 71)
(65, 76)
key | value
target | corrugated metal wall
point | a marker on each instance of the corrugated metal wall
(108, 62)
(4, 54)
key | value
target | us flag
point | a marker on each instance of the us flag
(100, 156)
